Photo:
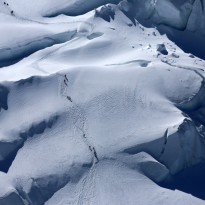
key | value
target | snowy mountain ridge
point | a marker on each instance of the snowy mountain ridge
(96, 108)
(187, 15)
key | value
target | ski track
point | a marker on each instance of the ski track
(87, 191)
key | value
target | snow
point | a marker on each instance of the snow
(109, 181)
(96, 108)
(54, 8)
(8, 194)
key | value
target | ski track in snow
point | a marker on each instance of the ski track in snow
(87, 192)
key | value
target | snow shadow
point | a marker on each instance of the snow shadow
(3, 97)
(189, 42)
(10, 150)
(5, 164)
(10, 56)
(190, 180)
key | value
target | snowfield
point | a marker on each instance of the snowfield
(98, 105)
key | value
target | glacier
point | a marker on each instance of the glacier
(102, 102)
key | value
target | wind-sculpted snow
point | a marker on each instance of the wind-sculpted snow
(12, 55)
(98, 109)
(28, 37)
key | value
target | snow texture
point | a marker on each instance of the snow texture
(98, 106)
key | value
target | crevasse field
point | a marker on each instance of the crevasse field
(102, 102)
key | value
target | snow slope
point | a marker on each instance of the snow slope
(95, 108)
(53, 8)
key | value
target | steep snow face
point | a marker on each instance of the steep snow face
(183, 21)
(196, 19)
(177, 14)
(26, 38)
(97, 109)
